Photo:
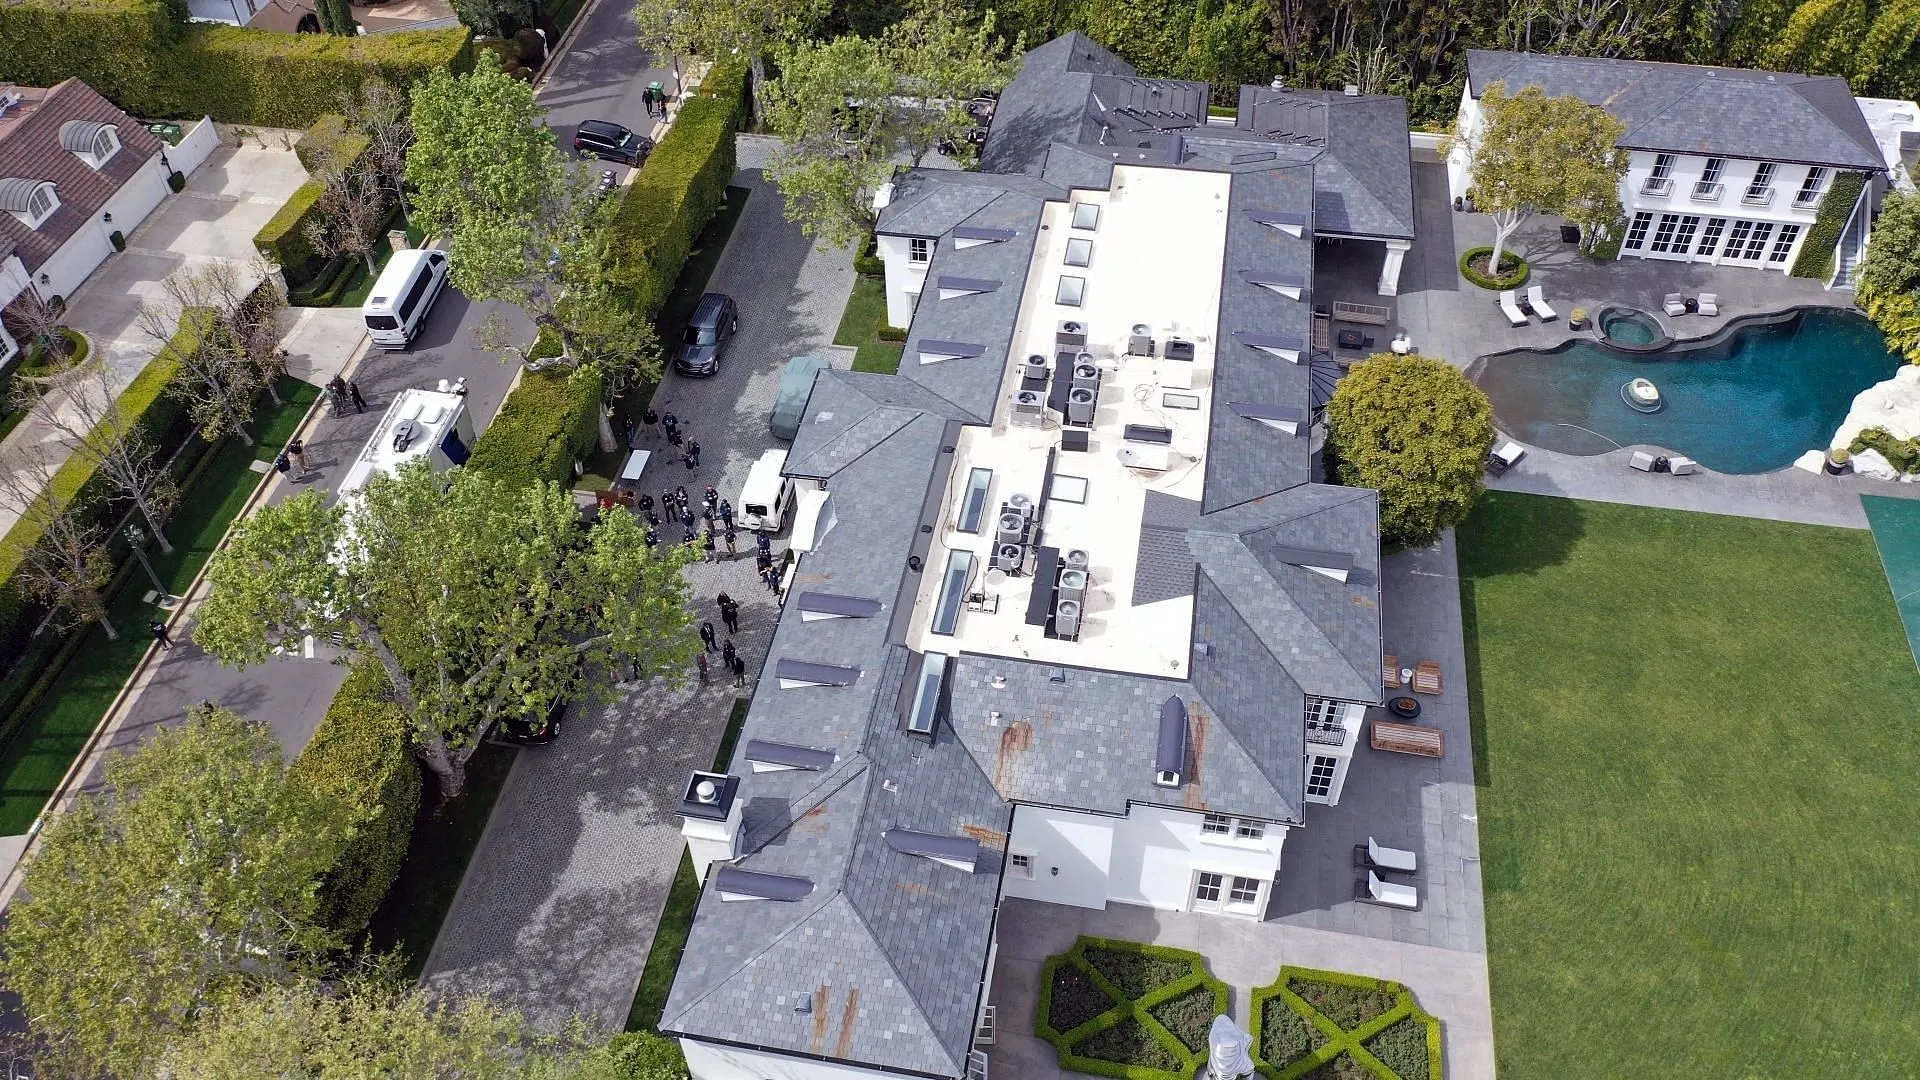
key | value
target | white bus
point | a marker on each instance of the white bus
(402, 296)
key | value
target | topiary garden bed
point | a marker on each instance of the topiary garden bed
(1326, 1025)
(1512, 273)
(1126, 1010)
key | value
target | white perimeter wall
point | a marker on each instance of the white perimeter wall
(196, 145)
(88, 247)
(1459, 177)
(903, 278)
(709, 1062)
(1148, 857)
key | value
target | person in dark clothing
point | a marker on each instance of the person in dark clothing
(161, 634)
(762, 562)
(764, 543)
(739, 671)
(297, 450)
(686, 518)
(281, 464)
(650, 417)
(692, 457)
(772, 578)
(674, 438)
(670, 424)
(353, 391)
(628, 433)
(731, 550)
(666, 503)
(707, 545)
(726, 512)
(653, 537)
(337, 390)
(728, 654)
(692, 537)
(700, 661)
(680, 498)
(706, 635)
(730, 613)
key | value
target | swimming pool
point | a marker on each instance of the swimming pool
(1749, 399)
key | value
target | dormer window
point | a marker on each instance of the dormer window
(91, 141)
(32, 201)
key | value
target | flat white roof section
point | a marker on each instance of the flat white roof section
(1161, 239)
(423, 416)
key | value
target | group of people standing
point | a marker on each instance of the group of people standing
(730, 659)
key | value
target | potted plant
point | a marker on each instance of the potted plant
(1839, 460)
(1577, 319)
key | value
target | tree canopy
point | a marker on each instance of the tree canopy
(1417, 431)
(482, 601)
(482, 156)
(1533, 153)
(755, 29)
(187, 882)
(1888, 284)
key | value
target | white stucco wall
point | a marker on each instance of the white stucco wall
(1148, 857)
(1459, 176)
(200, 141)
(705, 1061)
(89, 246)
(904, 279)
(1078, 846)
(1735, 175)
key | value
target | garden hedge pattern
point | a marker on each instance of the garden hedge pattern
(1164, 977)
(1372, 1014)
(362, 754)
(1498, 284)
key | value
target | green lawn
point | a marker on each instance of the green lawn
(676, 921)
(1697, 776)
(34, 760)
(860, 324)
(444, 836)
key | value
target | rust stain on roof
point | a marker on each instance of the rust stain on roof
(1015, 740)
(992, 838)
(844, 1047)
(914, 888)
(1198, 729)
(821, 998)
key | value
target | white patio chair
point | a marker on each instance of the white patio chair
(1387, 894)
(1709, 303)
(1537, 300)
(1674, 305)
(1511, 307)
(1398, 860)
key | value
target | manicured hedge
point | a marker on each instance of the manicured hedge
(1363, 1019)
(1145, 988)
(683, 183)
(362, 754)
(1508, 281)
(283, 239)
(143, 60)
(329, 139)
(546, 424)
(1836, 206)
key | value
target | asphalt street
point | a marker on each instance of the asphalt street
(601, 76)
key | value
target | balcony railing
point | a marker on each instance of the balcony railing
(1657, 187)
(1807, 200)
(1327, 734)
(1758, 196)
(1707, 191)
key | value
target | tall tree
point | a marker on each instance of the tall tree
(942, 56)
(1417, 431)
(37, 322)
(495, 18)
(68, 569)
(353, 209)
(194, 327)
(189, 879)
(89, 423)
(1888, 284)
(1532, 154)
(755, 29)
(367, 1029)
(380, 112)
(482, 155)
(479, 600)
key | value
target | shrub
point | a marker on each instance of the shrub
(666, 206)
(1188, 1017)
(1381, 1030)
(1516, 275)
(1402, 1047)
(1160, 1033)
(1902, 454)
(283, 239)
(329, 140)
(890, 333)
(1137, 973)
(1129, 1043)
(117, 46)
(1418, 432)
(1284, 1034)
(728, 81)
(867, 262)
(1836, 206)
(549, 422)
(642, 1055)
(362, 754)
(1344, 1004)
(1075, 998)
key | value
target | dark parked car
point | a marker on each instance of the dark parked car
(714, 320)
(606, 139)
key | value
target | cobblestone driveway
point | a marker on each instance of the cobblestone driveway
(559, 906)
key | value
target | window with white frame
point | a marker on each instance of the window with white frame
(41, 204)
(1217, 825)
(1020, 865)
(1660, 181)
(1783, 244)
(1206, 889)
(1637, 232)
(106, 143)
(1243, 891)
(1683, 237)
(1710, 237)
(1663, 236)
(919, 249)
(1320, 773)
(1707, 188)
(1757, 243)
(1760, 190)
(1737, 239)
(1811, 187)
(1249, 829)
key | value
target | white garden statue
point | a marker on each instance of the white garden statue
(1229, 1050)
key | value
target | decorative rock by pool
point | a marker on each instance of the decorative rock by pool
(1894, 405)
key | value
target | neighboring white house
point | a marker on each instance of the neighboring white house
(1726, 166)
(1071, 620)
(74, 170)
(1896, 127)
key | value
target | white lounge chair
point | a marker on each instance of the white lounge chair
(1641, 460)
(1511, 307)
(1386, 893)
(1709, 303)
(1674, 304)
(1682, 466)
(1398, 860)
(1537, 300)
(1505, 457)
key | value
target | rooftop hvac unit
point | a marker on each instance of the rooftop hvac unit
(1073, 585)
(1070, 332)
(1066, 619)
(1008, 557)
(1035, 367)
(996, 577)
(1177, 372)
(1028, 407)
(1082, 358)
(1080, 405)
(1178, 349)
(1013, 529)
(1085, 376)
(1077, 559)
(1140, 341)
(1021, 504)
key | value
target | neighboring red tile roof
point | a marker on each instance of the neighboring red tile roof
(30, 147)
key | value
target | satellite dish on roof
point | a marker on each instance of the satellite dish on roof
(404, 433)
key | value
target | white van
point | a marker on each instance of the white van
(767, 497)
(403, 295)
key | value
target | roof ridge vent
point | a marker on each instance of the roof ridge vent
(1170, 756)
(735, 883)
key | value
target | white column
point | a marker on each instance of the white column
(1390, 270)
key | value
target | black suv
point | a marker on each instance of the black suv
(606, 139)
(706, 334)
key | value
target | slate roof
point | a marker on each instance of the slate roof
(30, 149)
(1686, 109)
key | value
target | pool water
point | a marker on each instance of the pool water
(1748, 400)
(1629, 327)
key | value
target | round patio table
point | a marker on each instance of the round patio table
(1405, 708)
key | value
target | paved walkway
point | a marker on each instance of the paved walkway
(1451, 985)
(558, 909)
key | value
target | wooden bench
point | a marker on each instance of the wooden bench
(1390, 671)
(1409, 739)
(1367, 314)
(1426, 678)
